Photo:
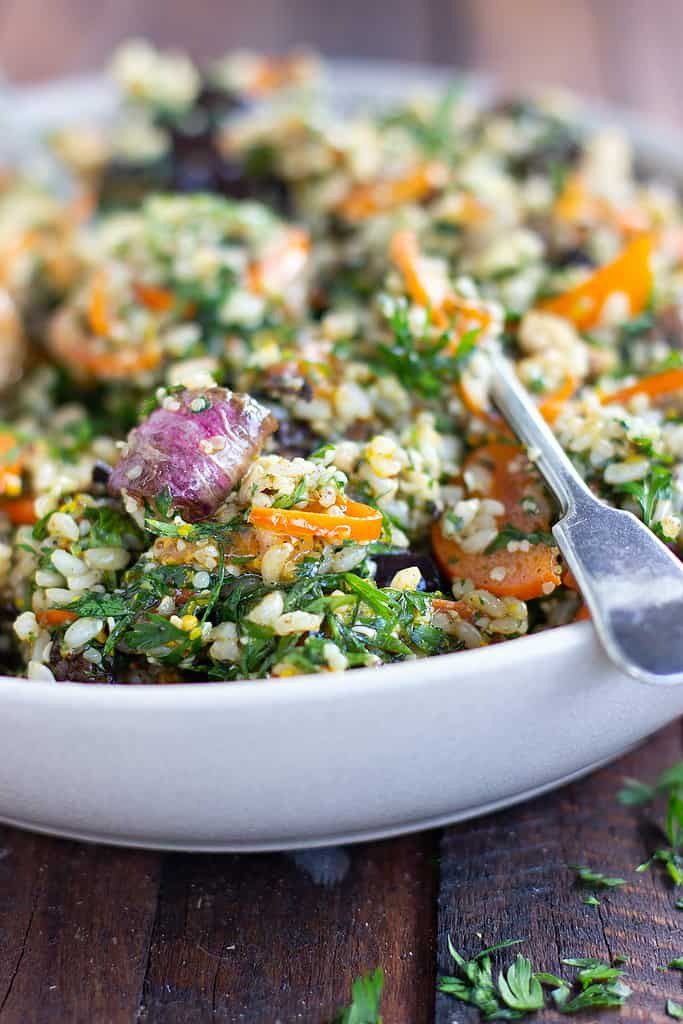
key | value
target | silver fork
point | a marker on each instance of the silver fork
(631, 582)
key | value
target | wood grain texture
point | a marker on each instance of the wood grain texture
(268, 938)
(75, 926)
(506, 876)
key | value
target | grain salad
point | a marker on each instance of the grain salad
(246, 427)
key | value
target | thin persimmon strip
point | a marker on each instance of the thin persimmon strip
(629, 274)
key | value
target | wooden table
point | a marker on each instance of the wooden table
(92, 934)
(89, 934)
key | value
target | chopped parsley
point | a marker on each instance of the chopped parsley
(111, 528)
(72, 439)
(669, 783)
(648, 492)
(434, 133)
(520, 990)
(422, 366)
(595, 879)
(366, 995)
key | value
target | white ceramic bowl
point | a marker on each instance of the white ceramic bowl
(318, 759)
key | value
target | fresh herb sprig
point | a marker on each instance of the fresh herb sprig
(670, 783)
(520, 990)
(648, 492)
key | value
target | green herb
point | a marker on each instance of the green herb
(435, 133)
(558, 173)
(366, 995)
(519, 988)
(164, 502)
(591, 901)
(592, 970)
(154, 631)
(670, 782)
(474, 982)
(508, 532)
(679, 904)
(73, 438)
(39, 531)
(289, 500)
(594, 997)
(422, 366)
(674, 1009)
(648, 492)
(100, 606)
(634, 792)
(676, 964)
(111, 528)
(193, 531)
(595, 878)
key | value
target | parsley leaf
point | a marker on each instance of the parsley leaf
(595, 878)
(520, 989)
(422, 366)
(111, 528)
(594, 997)
(366, 995)
(648, 492)
(474, 983)
(674, 1009)
(636, 793)
(100, 606)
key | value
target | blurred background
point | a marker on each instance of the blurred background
(627, 51)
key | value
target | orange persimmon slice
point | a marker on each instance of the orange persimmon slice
(525, 574)
(630, 274)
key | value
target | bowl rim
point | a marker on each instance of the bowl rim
(662, 140)
(567, 641)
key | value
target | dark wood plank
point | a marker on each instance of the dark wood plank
(505, 876)
(281, 937)
(75, 925)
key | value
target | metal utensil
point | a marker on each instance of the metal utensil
(631, 582)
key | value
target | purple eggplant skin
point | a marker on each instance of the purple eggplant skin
(193, 449)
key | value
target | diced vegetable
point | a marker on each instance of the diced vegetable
(428, 286)
(282, 263)
(154, 296)
(10, 463)
(368, 199)
(88, 357)
(55, 617)
(552, 405)
(193, 449)
(349, 520)
(630, 274)
(659, 385)
(19, 511)
(98, 306)
(518, 573)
